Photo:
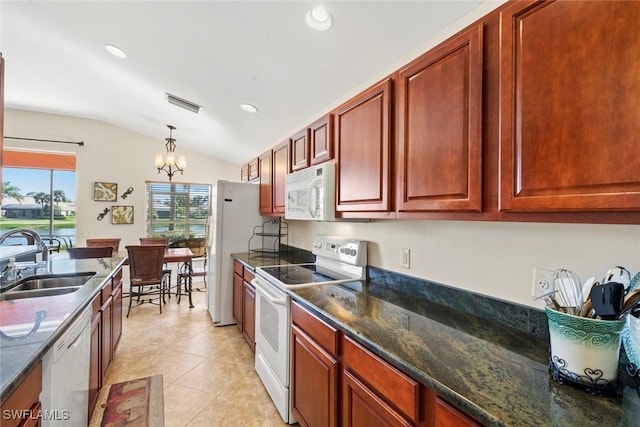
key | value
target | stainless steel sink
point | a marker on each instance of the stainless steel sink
(47, 285)
(52, 281)
(34, 293)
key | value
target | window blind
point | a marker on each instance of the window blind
(177, 210)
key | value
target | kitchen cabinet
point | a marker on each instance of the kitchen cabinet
(249, 171)
(22, 407)
(447, 415)
(265, 167)
(321, 140)
(362, 134)
(274, 166)
(244, 300)
(374, 392)
(106, 331)
(314, 369)
(569, 97)
(300, 150)
(439, 127)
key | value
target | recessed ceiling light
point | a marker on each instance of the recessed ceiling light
(319, 19)
(249, 108)
(116, 51)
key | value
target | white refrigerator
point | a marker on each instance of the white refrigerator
(236, 214)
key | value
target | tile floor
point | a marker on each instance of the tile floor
(208, 373)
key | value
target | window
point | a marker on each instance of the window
(38, 192)
(177, 210)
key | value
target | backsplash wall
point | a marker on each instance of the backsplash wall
(491, 258)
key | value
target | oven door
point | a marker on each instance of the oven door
(272, 344)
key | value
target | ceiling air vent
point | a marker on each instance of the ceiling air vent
(183, 103)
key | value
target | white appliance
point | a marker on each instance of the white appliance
(236, 213)
(338, 260)
(310, 193)
(65, 376)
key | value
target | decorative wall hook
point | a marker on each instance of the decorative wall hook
(126, 193)
(102, 215)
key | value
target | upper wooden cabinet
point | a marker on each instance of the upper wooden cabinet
(300, 150)
(569, 102)
(280, 170)
(363, 147)
(250, 171)
(321, 136)
(439, 127)
(265, 166)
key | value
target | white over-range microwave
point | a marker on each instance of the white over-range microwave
(310, 193)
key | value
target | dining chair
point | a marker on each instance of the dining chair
(146, 274)
(198, 248)
(114, 242)
(90, 252)
(159, 241)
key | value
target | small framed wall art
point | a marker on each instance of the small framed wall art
(121, 214)
(105, 191)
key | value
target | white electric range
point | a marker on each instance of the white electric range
(338, 260)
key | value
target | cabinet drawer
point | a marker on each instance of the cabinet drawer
(447, 415)
(319, 331)
(96, 304)
(238, 268)
(107, 291)
(248, 275)
(399, 389)
(24, 397)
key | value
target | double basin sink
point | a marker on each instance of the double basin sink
(46, 285)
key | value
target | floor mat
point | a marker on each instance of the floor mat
(138, 403)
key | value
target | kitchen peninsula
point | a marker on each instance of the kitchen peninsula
(22, 345)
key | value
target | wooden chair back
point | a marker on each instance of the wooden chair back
(145, 264)
(114, 242)
(90, 252)
(154, 241)
(198, 246)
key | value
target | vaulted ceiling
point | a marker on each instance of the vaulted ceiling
(217, 54)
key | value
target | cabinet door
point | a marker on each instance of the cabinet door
(249, 315)
(266, 182)
(280, 171)
(238, 293)
(439, 127)
(116, 326)
(314, 393)
(244, 172)
(254, 171)
(95, 373)
(321, 135)
(569, 102)
(300, 150)
(106, 346)
(362, 137)
(447, 415)
(361, 406)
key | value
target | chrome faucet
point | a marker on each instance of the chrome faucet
(32, 236)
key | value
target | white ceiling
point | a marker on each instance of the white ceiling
(214, 53)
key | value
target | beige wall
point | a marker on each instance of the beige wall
(490, 258)
(110, 154)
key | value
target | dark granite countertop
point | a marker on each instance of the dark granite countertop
(496, 374)
(18, 356)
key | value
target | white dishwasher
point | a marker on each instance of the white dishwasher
(65, 376)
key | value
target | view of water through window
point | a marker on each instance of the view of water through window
(28, 196)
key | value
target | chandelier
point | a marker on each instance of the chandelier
(169, 165)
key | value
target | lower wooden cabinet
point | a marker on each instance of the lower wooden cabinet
(244, 302)
(336, 381)
(314, 370)
(106, 330)
(22, 407)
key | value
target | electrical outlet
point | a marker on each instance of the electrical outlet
(542, 282)
(406, 258)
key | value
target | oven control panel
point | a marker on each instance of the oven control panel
(349, 251)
